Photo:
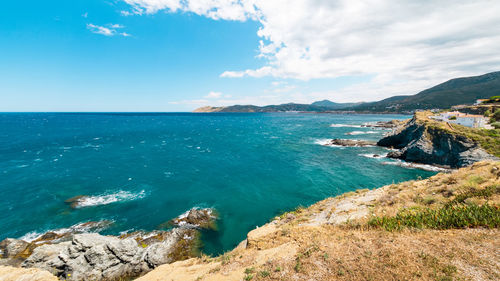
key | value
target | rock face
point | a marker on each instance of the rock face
(430, 145)
(91, 256)
(10, 248)
(355, 143)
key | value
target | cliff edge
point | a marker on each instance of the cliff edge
(441, 228)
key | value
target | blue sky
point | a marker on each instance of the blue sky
(166, 55)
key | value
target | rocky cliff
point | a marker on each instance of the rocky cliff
(426, 141)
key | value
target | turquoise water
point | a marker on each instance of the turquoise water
(144, 169)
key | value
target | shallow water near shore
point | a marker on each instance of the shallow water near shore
(141, 170)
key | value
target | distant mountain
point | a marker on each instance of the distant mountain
(453, 92)
(268, 108)
(334, 105)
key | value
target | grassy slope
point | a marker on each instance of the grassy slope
(335, 239)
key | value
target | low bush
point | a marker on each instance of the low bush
(452, 216)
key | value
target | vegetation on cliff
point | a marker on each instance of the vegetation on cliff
(489, 139)
(424, 140)
(348, 237)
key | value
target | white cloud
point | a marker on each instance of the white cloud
(108, 30)
(214, 9)
(405, 45)
(216, 95)
(213, 95)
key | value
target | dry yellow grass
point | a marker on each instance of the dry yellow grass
(330, 240)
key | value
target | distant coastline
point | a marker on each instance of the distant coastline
(455, 92)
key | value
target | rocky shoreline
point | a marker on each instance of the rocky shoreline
(79, 253)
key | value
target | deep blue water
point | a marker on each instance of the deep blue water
(250, 167)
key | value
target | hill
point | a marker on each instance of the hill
(445, 95)
(333, 105)
(457, 91)
(268, 108)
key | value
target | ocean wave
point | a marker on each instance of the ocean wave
(105, 199)
(355, 133)
(345, 126)
(324, 142)
(371, 155)
(84, 227)
(409, 165)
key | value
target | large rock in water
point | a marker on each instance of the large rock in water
(344, 142)
(425, 144)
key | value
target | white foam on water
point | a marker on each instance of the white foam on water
(408, 165)
(83, 227)
(345, 126)
(322, 141)
(371, 155)
(30, 236)
(355, 133)
(105, 199)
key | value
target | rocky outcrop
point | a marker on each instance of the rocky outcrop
(91, 256)
(196, 218)
(424, 142)
(344, 142)
(384, 124)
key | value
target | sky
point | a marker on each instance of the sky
(177, 55)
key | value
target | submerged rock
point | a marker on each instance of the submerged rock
(75, 201)
(344, 142)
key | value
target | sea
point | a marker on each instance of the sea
(140, 170)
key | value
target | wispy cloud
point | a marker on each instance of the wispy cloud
(216, 95)
(108, 30)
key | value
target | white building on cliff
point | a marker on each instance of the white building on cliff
(464, 119)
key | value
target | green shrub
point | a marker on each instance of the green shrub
(495, 125)
(453, 216)
(484, 193)
(453, 118)
(496, 116)
(264, 273)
